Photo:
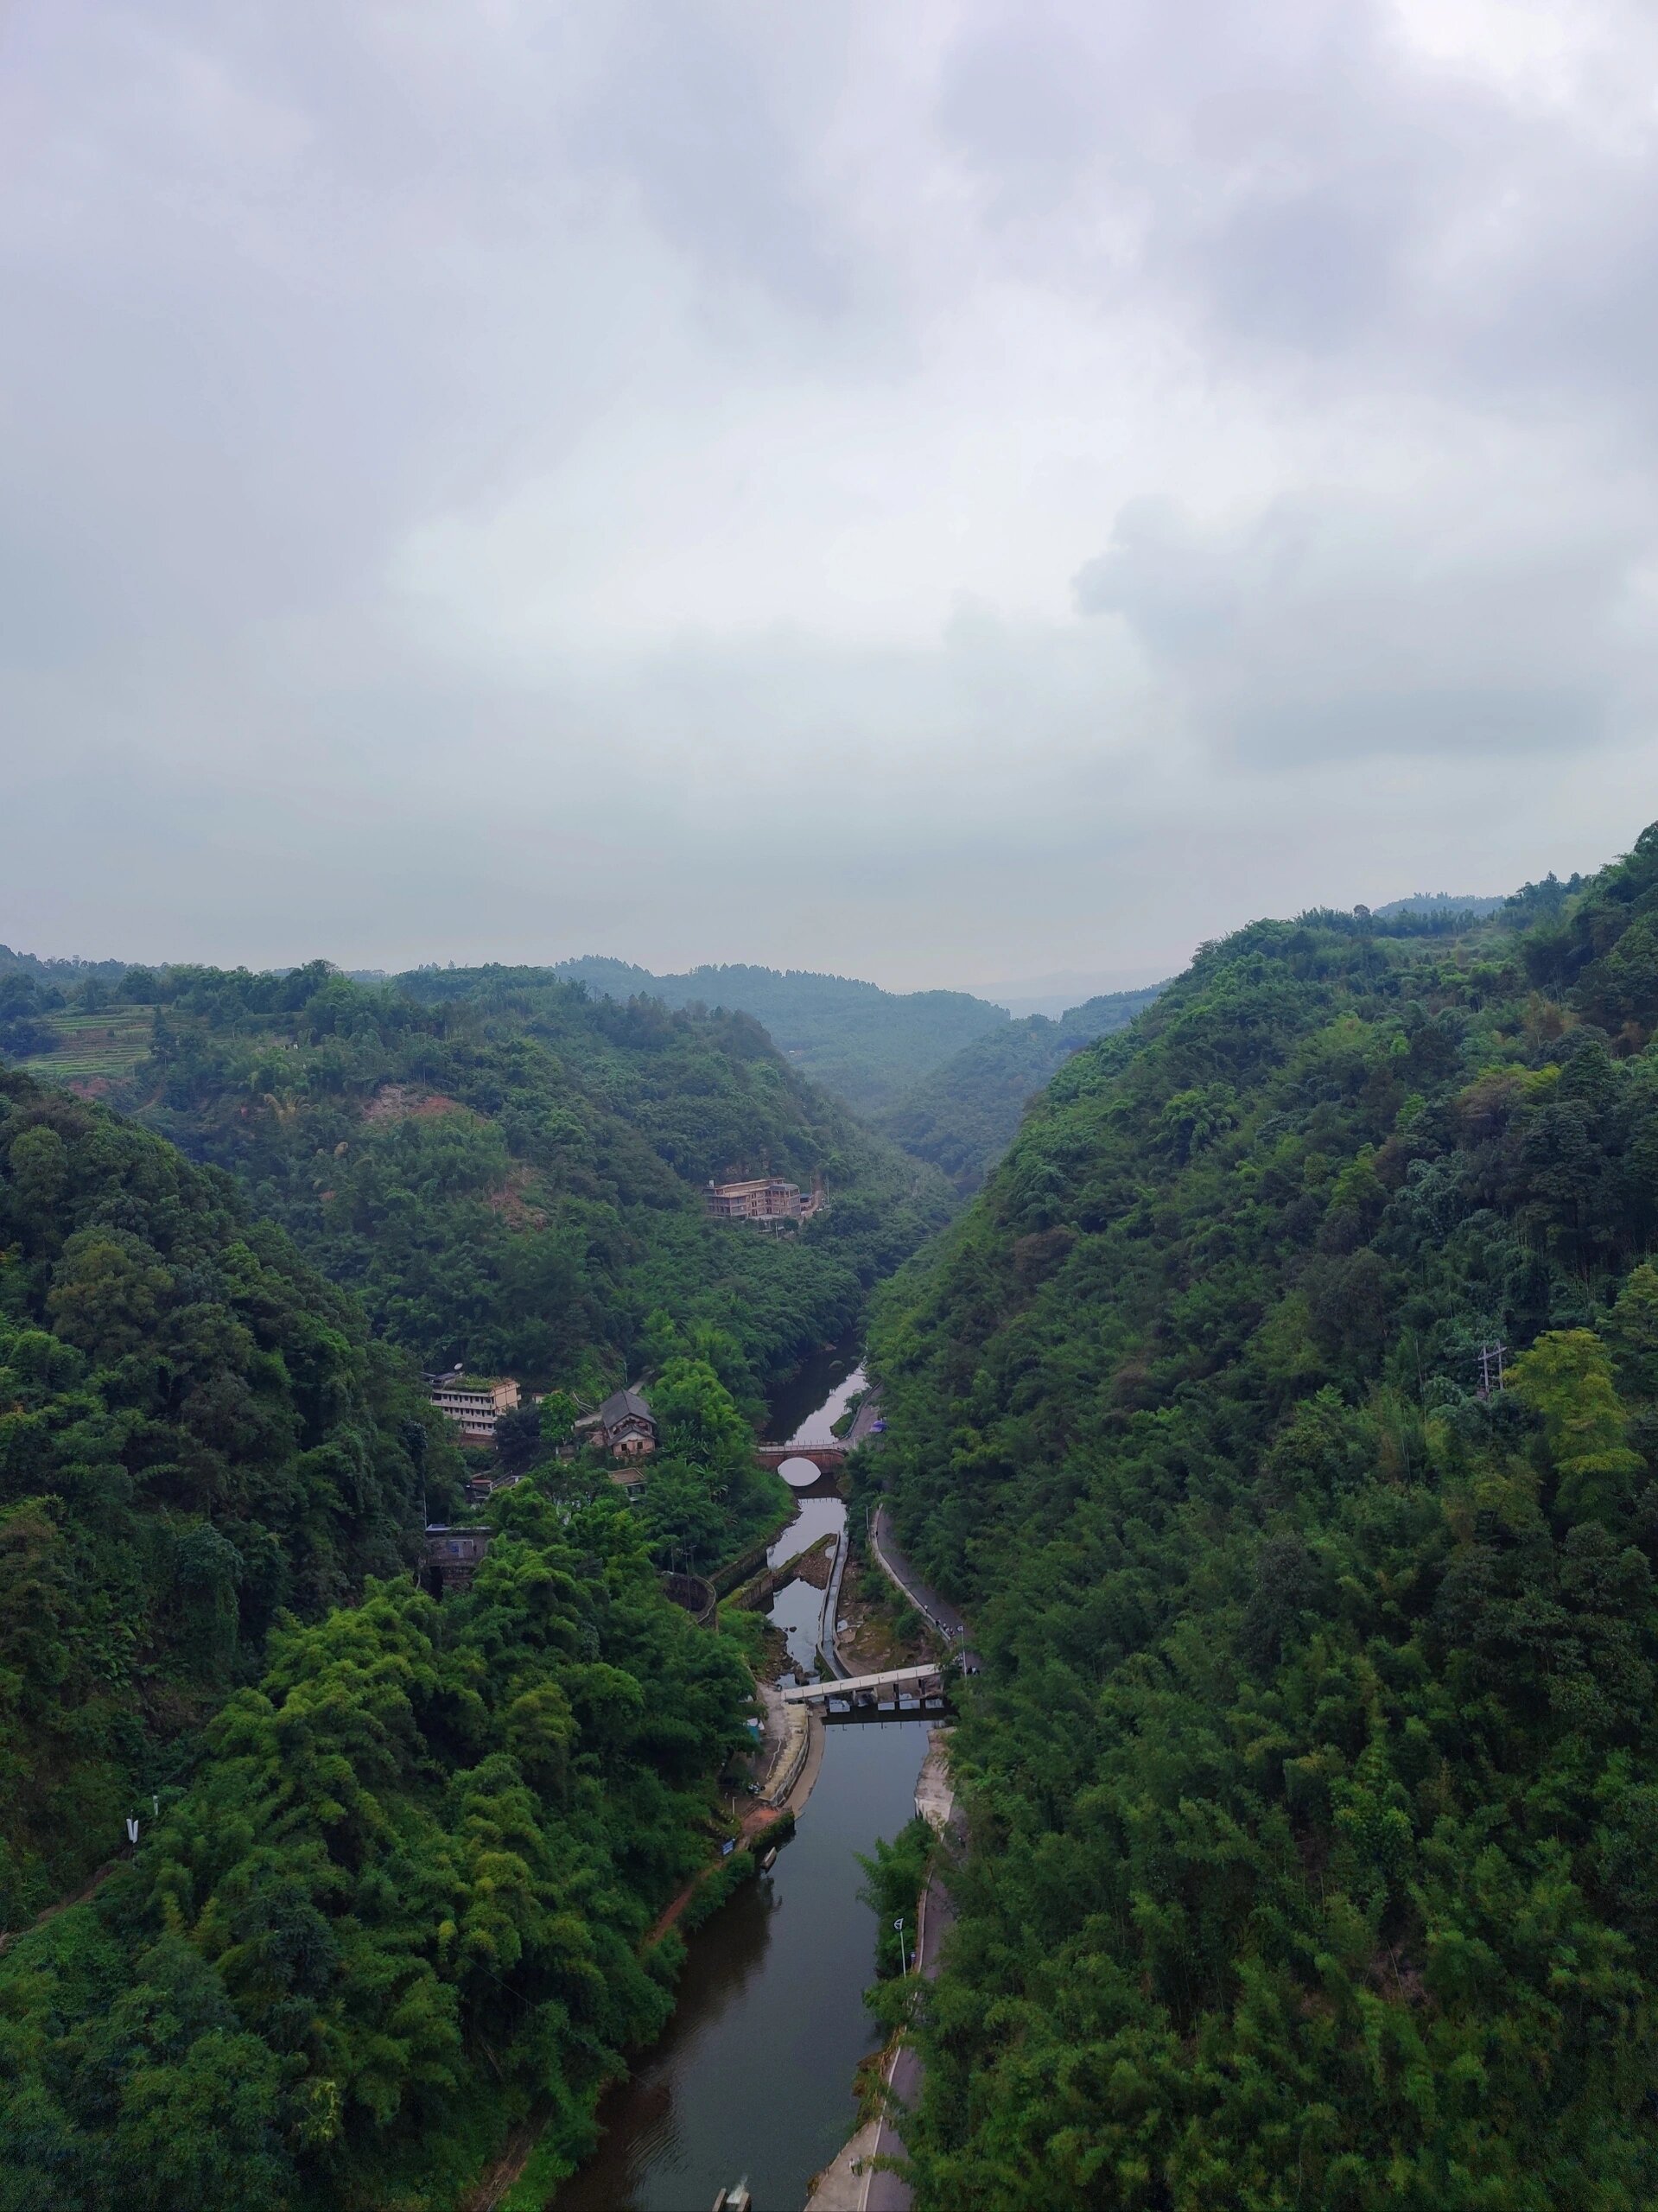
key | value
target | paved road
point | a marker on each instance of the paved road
(884, 2192)
(927, 1601)
(863, 1421)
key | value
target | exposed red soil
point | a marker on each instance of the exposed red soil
(508, 1200)
(402, 1102)
(756, 1820)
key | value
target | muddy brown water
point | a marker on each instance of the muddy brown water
(755, 2072)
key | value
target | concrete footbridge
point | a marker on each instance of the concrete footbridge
(874, 1692)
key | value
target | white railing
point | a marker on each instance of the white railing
(897, 1678)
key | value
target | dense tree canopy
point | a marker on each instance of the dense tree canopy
(398, 1857)
(962, 1117)
(401, 1902)
(510, 1171)
(866, 1044)
(1314, 1780)
(196, 1431)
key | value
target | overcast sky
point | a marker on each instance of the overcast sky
(948, 493)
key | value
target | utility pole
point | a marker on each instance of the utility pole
(903, 1959)
(1490, 1368)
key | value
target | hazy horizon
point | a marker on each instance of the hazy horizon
(1050, 993)
(949, 496)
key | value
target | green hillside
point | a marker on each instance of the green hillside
(397, 1860)
(866, 1044)
(962, 1117)
(1443, 903)
(92, 1050)
(196, 1432)
(510, 1174)
(1313, 1780)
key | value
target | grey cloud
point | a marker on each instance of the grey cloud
(685, 111)
(1299, 180)
(292, 288)
(1331, 624)
(1314, 269)
(1015, 103)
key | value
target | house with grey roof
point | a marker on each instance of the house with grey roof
(623, 1425)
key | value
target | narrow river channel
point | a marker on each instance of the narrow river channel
(755, 2072)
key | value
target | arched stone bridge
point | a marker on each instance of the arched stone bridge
(828, 1459)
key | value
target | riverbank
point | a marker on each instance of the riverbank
(758, 2068)
(853, 2181)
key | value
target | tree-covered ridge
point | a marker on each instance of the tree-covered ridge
(962, 1117)
(510, 1173)
(866, 1044)
(1446, 903)
(402, 1903)
(196, 1432)
(1314, 1783)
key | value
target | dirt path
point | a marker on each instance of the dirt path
(486, 2194)
(88, 1889)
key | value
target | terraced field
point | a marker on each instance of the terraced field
(107, 1045)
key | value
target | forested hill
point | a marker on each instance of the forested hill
(1442, 903)
(1313, 1783)
(510, 1173)
(196, 1432)
(866, 1044)
(962, 1117)
(58, 972)
(397, 1860)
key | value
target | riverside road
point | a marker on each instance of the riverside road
(883, 2191)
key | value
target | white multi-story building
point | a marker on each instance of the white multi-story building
(474, 1402)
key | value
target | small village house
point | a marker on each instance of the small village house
(624, 1426)
(453, 1555)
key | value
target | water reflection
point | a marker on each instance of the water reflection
(814, 1517)
(818, 1426)
(791, 1409)
(798, 1608)
(640, 2116)
(754, 2071)
(753, 2074)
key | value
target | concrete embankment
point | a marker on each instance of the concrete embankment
(843, 2185)
(826, 1642)
(852, 2183)
(795, 1737)
(935, 1793)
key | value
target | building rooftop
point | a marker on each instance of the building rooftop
(620, 1404)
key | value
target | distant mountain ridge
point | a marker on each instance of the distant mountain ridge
(72, 971)
(867, 1043)
(963, 1115)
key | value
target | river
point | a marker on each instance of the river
(753, 2074)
